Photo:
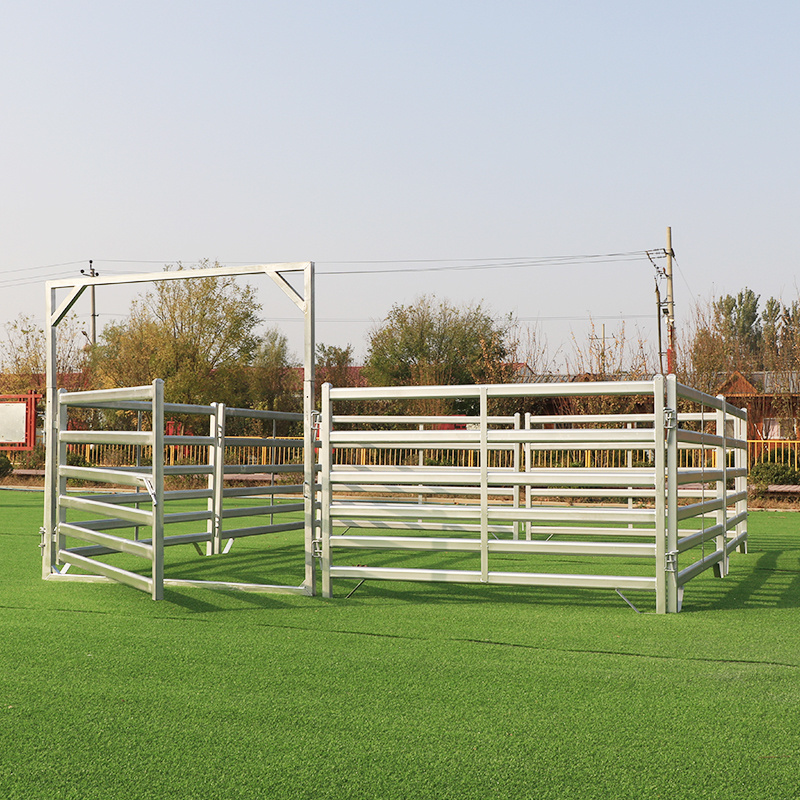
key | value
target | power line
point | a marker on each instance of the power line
(419, 264)
(495, 263)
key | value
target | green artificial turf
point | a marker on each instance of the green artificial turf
(402, 690)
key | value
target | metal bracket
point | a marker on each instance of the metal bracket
(42, 538)
(316, 548)
(316, 421)
(670, 418)
(148, 484)
(671, 561)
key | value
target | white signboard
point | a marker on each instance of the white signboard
(12, 422)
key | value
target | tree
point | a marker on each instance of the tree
(731, 334)
(275, 383)
(23, 357)
(335, 365)
(433, 342)
(197, 334)
(612, 357)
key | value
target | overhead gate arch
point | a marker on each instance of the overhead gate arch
(111, 523)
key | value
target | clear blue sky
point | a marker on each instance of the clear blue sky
(381, 131)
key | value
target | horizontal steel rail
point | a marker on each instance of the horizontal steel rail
(256, 588)
(258, 511)
(123, 477)
(438, 543)
(100, 568)
(427, 525)
(598, 388)
(116, 544)
(89, 398)
(134, 515)
(258, 530)
(569, 580)
(470, 476)
(141, 438)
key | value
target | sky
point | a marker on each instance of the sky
(368, 136)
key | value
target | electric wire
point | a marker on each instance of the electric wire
(400, 265)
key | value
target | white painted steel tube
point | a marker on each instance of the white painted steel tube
(116, 544)
(105, 395)
(143, 438)
(114, 573)
(134, 515)
(598, 388)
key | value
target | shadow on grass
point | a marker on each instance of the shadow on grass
(766, 583)
(767, 577)
(496, 595)
(228, 600)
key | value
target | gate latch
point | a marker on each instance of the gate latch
(672, 561)
(670, 418)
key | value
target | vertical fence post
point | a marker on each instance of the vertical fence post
(158, 486)
(421, 463)
(484, 461)
(659, 481)
(671, 555)
(528, 491)
(721, 568)
(50, 441)
(629, 465)
(325, 460)
(516, 488)
(309, 433)
(62, 423)
(216, 480)
(741, 482)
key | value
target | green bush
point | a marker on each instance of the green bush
(6, 467)
(767, 472)
(76, 459)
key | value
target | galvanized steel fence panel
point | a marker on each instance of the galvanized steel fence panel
(521, 493)
(107, 524)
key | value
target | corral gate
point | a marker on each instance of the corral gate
(661, 491)
(137, 521)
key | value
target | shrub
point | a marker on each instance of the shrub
(6, 467)
(76, 459)
(765, 473)
(32, 459)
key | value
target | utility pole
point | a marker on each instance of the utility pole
(670, 309)
(659, 314)
(93, 318)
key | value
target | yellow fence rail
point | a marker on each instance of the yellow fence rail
(778, 450)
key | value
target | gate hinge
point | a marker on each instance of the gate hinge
(42, 537)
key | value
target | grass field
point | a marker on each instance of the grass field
(401, 691)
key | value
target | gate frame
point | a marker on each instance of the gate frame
(669, 482)
(56, 312)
